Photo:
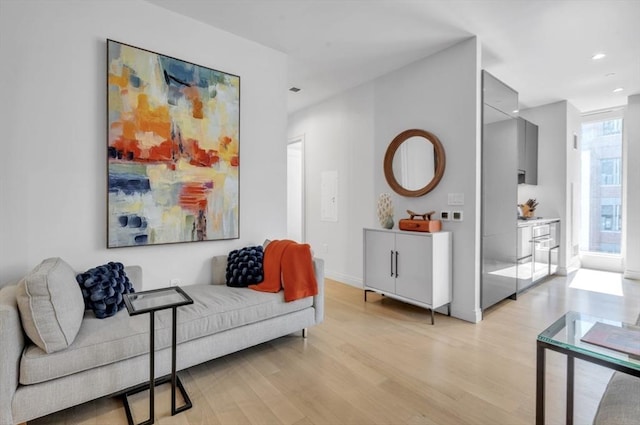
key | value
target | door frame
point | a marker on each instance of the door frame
(295, 140)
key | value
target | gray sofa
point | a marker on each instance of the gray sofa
(620, 403)
(110, 355)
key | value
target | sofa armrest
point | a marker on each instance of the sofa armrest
(218, 277)
(318, 300)
(12, 341)
(134, 273)
(219, 270)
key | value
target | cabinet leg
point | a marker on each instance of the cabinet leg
(366, 291)
(433, 321)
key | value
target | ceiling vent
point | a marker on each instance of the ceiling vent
(294, 89)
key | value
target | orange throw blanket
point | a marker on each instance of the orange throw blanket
(288, 264)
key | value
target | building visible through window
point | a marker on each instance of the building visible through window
(610, 171)
(601, 221)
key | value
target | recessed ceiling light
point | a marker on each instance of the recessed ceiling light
(618, 90)
(515, 111)
(294, 89)
(598, 56)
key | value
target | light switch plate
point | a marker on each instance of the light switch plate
(456, 199)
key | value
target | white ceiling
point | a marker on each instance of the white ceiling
(541, 48)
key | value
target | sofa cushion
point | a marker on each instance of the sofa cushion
(620, 404)
(244, 266)
(103, 287)
(51, 305)
(216, 308)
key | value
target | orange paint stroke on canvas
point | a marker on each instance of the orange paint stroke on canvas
(228, 150)
(130, 149)
(193, 197)
(200, 157)
(121, 80)
(168, 151)
(163, 152)
(152, 119)
(193, 95)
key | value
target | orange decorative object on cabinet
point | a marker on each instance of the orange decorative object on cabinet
(424, 224)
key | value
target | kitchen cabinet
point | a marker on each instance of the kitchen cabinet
(538, 249)
(527, 152)
(412, 267)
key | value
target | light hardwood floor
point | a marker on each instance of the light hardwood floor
(381, 362)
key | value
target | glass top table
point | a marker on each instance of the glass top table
(156, 299)
(150, 302)
(608, 343)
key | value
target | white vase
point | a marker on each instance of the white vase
(385, 211)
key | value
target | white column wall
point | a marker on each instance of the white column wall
(632, 188)
(573, 189)
(441, 94)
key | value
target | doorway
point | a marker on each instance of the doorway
(601, 198)
(295, 189)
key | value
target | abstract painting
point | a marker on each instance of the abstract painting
(173, 150)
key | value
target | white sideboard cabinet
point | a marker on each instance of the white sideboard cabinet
(412, 267)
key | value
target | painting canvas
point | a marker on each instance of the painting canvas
(173, 150)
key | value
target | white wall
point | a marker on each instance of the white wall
(557, 123)
(573, 190)
(632, 187)
(350, 133)
(53, 120)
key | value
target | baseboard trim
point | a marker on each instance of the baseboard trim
(474, 316)
(631, 274)
(343, 278)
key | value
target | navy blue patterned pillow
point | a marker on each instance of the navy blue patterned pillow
(103, 287)
(244, 266)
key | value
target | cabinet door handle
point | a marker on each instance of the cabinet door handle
(391, 265)
(396, 263)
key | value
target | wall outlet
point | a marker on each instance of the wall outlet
(445, 215)
(456, 215)
(175, 282)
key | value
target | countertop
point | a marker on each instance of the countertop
(536, 220)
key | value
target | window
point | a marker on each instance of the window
(606, 216)
(601, 197)
(610, 218)
(611, 127)
(610, 172)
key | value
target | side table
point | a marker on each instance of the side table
(566, 336)
(150, 302)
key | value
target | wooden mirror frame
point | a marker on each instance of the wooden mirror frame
(440, 162)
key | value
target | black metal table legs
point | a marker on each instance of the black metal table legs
(173, 378)
(540, 360)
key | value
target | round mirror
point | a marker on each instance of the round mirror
(414, 163)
